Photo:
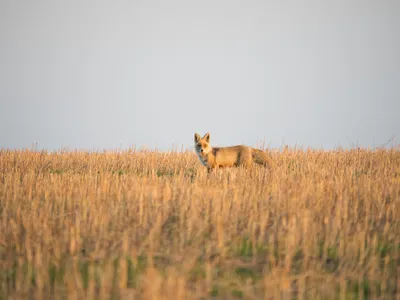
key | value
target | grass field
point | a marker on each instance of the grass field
(151, 225)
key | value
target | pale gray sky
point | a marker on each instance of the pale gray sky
(105, 74)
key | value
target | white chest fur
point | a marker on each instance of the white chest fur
(202, 159)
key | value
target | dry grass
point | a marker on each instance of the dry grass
(148, 225)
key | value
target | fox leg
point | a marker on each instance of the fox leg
(211, 169)
(245, 158)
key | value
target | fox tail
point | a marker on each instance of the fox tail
(261, 158)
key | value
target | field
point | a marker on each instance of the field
(152, 225)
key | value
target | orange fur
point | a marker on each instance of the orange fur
(223, 157)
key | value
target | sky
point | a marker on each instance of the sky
(115, 74)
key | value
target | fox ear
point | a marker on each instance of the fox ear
(207, 137)
(196, 137)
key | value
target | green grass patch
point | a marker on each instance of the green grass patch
(297, 261)
(237, 294)
(246, 273)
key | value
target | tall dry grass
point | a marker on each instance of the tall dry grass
(148, 225)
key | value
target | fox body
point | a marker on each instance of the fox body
(222, 157)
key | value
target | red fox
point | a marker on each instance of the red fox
(227, 156)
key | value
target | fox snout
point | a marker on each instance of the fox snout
(201, 151)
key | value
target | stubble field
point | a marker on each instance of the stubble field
(151, 225)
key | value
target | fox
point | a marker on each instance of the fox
(226, 157)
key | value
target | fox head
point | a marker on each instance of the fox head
(202, 144)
